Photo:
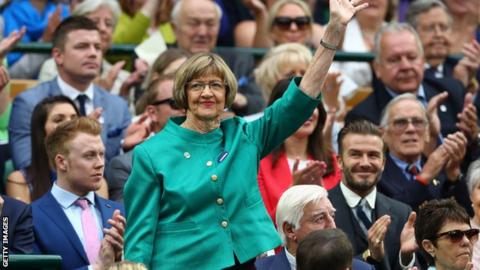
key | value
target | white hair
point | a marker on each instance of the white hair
(88, 6)
(293, 201)
(473, 176)
(178, 5)
(406, 96)
(394, 28)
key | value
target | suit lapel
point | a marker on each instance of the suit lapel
(280, 262)
(54, 88)
(53, 210)
(106, 210)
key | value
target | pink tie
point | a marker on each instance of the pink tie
(90, 230)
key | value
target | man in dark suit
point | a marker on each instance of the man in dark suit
(18, 216)
(380, 228)
(71, 219)
(77, 54)
(399, 66)
(301, 210)
(410, 178)
(157, 106)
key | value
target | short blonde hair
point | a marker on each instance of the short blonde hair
(267, 74)
(89, 6)
(279, 4)
(57, 141)
(199, 65)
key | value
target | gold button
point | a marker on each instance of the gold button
(224, 224)
(219, 201)
(214, 177)
(209, 163)
(186, 155)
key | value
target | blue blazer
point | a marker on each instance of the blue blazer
(20, 227)
(54, 234)
(116, 119)
(280, 262)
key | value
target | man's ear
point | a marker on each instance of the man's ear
(151, 111)
(289, 231)
(57, 55)
(60, 163)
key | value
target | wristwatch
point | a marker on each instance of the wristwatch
(367, 256)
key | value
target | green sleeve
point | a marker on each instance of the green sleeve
(141, 197)
(131, 30)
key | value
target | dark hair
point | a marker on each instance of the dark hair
(315, 147)
(39, 169)
(151, 93)
(362, 127)
(325, 249)
(68, 25)
(431, 216)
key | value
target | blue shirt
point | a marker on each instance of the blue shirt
(404, 165)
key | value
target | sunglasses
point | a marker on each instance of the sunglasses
(457, 235)
(284, 23)
(168, 101)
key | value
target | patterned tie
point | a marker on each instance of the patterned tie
(90, 230)
(81, 101)
(362, 215)
(413, 171)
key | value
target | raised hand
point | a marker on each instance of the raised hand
(342, 11)
(467, 67)
(114, 235)
(456, 146)
(108, 81)
(137, 132)
(310, 175)
(53, 21)
(408, 244)
(467, 119)
(9, 42)
(376, 236)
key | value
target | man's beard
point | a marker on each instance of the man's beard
(359, 186)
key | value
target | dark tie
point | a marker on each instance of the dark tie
(362, 215)
(81, 101)
(413, 171)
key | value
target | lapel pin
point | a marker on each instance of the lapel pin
(443, 108)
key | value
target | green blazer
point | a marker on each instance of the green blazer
(192, 200)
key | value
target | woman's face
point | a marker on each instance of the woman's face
(58, 114)
(291, 25)
(449, 254)
(296, 68)
(206, 98)
(103, 18)
(377, 9)
(475, 198)
(308, 127)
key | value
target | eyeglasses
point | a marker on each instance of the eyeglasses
(169, 101)
(284, 23)
(200, 86)
(401, 124)
(431, 28)
(457, 235)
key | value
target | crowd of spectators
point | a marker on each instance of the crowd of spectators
(271, 161)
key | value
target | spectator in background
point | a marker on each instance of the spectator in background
(473, 181)
(39, 18)
(77, 53)
(399, 65)
(325, 249)
(433, 23)
(202, 35)
(156, 106)
(140, 19)
(111, 77)
(444, 235)
(282, 22)
(301, 210)
(409, 176)
(166, 63)
(465, 25)
(34, 181)
(303, 158)
(70, 220)
(20, 226)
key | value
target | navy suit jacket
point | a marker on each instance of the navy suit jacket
(54, 234)
(116, 119)
(346, 221)
(20, 226)
(117, 173)
(371, 108)
(395, 185)
(280, 262)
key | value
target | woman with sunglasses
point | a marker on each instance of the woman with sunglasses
(286, 21)
(444, 235)
(473, 183)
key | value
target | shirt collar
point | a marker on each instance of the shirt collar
(291, 259)
(420, 94)
(402, 164)
(438, 69)
(66, 198)
(353, 199)
(72, 92)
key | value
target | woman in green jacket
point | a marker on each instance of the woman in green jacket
(192, 199)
